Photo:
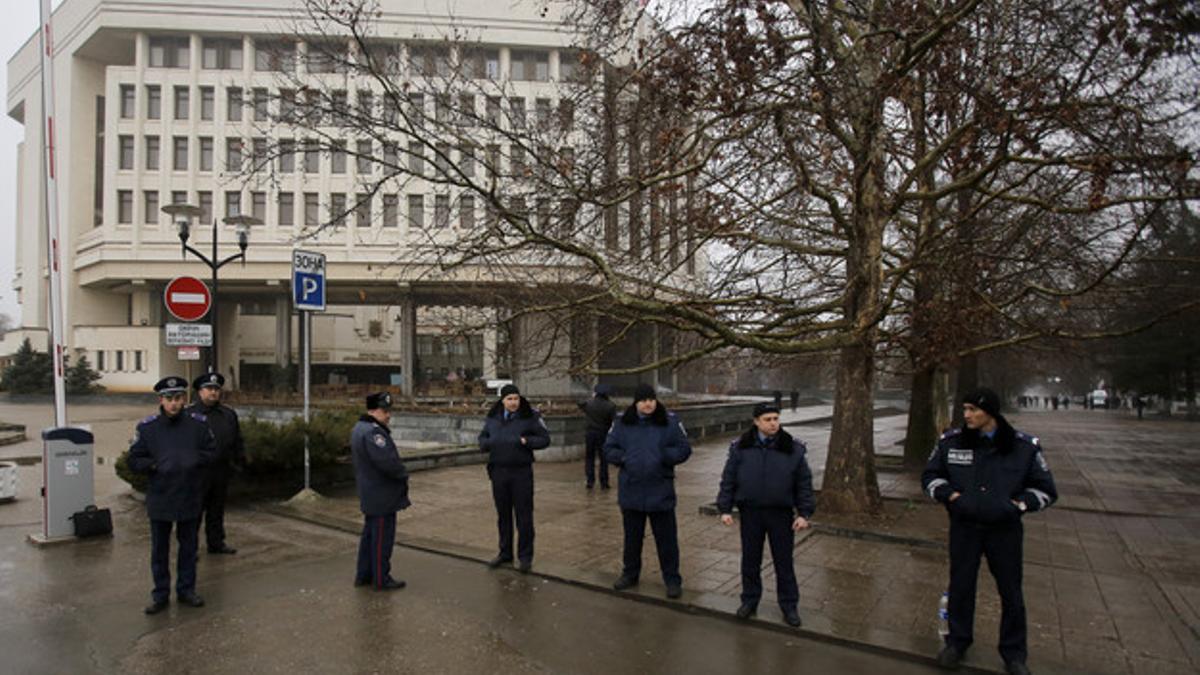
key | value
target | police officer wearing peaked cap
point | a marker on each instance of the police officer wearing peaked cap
(231, 453)
(173, 446)
(382, 484)
(767, 477)
(988, 475)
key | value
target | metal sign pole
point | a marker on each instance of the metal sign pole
(57, 346)
(306, 320)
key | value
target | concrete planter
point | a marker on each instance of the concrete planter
(8, 481)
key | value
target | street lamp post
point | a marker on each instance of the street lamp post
(183, 214)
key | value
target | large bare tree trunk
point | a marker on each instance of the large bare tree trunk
(922, 431)
(850, 484)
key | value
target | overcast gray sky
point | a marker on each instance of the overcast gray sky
(20, 22)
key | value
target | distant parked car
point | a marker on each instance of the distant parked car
(1099, 398)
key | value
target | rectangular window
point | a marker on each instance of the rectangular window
(125, 152)
(337, 208)
(493, 160)
(120, 360)
(441, 211)
(516, 161)
(137, 360)
(391, 157)
(339, 102)
(542, 110)
(362, 163)
(566, 114)
(179, 159)
(287, 209)
(206, 153)
(208, 98)
(492, 111)
(100, 364)
(416, 104)
(327, 57)
(258, 153)
(233, 101)
(205, 199)
(152, 153)
(441, 108)
(314, 108)
(258, 205)
(391, 210)
(416, 211)
(466, 212)
(233, 203)
(530, 66)
(233, 154)
(124, 206)
(274, 56)
(466, 160)
(466, 110)
(222, 54)
(287, 105)
(366, 104)
(128, 101)
(441, 160)
(153, 102)
(416, 158)
(492, 64)
(362, 211)
(312, 209)
(287, 155)
(516, 112)
(312, 157)
(337, 157)
(170, 52)
(179, 196)
(150, 202)
(183, 102)
(260, 104)
(391, 110)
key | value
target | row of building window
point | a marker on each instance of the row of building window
(531, 65)
(333, 107)
(305, 156)
(120, 361)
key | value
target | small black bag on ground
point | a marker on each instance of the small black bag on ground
(92, 522)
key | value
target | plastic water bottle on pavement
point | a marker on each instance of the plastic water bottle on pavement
(944, 615)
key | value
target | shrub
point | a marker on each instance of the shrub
(81, 379)
(31, 372)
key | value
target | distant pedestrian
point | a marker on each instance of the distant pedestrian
(795, 400)
(382, 482)
(988, 475)
(600, 412)
(1140, 403)
(647, 443)
(767, 477)
(231, 453)
(511, 432)
(778, 396)
(173, 447)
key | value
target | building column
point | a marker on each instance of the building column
(408, 344)
(490, 338)
(283, 331)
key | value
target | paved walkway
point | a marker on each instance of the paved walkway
(1112, 574)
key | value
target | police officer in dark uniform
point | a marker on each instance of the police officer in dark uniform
(511, 432)
(231, 452)
(767, 477)
(600, 413)
(647, 442)
(173, 447)
(382, 484)
(989, 476)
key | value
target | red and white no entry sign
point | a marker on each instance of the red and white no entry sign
(187, 298)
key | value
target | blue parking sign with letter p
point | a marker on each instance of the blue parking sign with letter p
(308, 281)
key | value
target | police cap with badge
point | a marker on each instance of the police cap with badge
(208, 380)
(381, 400)
(171, 385)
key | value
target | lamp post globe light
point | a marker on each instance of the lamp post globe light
(183, 214)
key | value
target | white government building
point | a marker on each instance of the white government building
(151, 97)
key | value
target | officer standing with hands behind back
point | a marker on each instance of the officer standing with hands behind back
(767, 477)
(988, 475)
(231, 452)
(382, 484)
(173, 447)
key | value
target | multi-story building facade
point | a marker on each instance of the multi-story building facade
(164, 102)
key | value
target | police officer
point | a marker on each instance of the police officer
(173, 446)
(647, 442)
(989, 476)
(767, 477)
(511, 432)
(600, 412)
(382, 484)
(231, 452)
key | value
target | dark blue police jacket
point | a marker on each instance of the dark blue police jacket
(174, 452)
(989, 474)
(379, 473)
(647, 450)
(767, 475)
(501, 438)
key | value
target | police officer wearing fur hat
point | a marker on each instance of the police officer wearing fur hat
(173, 447)
(647, 443)
(989, 476)
(231, 452)
(767, 477)
(382, 484)
(511, 432)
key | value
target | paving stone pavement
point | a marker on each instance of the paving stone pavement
(1112, 573)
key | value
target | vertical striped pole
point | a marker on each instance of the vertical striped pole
(53, 240)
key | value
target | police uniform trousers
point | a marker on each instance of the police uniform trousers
(187, 534)
(375, 550)
(595, 450)
(969, 542)
(775, 526)
(512, 492)
(666, 540)
(216, 487)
